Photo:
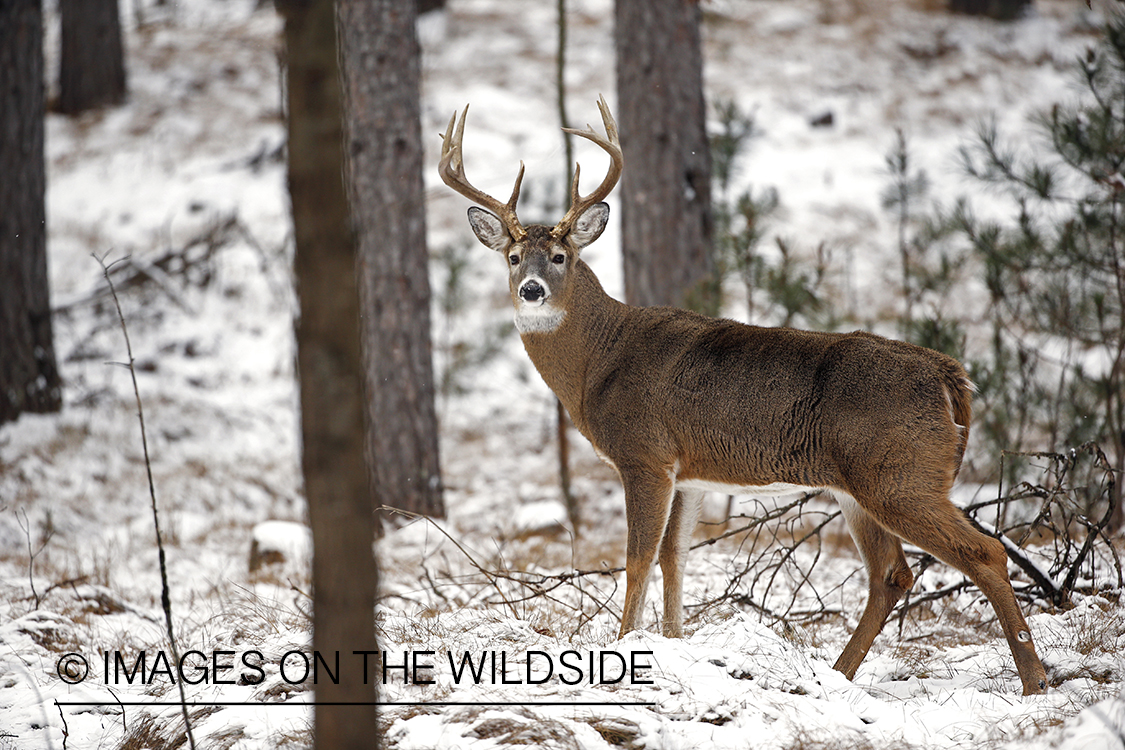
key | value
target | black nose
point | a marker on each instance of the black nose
(532, 291)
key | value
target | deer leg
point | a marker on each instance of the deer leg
(647, 501)
(673, 554)
(888, 579)
(940, 528)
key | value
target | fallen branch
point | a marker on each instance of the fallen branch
(192, 264)
(782, 545)
(1073, 534)
(1076, 539)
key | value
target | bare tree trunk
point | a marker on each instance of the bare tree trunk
(29, 375)
(666, 188)
(561, 418)
(92, 64)
(382, 75)
(330, 371)
(1001, 10)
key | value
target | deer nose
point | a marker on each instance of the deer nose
(532, 291)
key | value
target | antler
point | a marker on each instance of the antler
(612, 146)
(452, 171)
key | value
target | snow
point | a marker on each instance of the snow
(279, 541)
(193, 158)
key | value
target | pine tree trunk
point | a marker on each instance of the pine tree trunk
(29, 375)
(1001, 10)
(92, 64)
(330, 374)
(666, 187)
(382, 75)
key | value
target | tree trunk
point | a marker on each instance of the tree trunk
(330, 372)
(1001, 10)
(29, 375)
(382, 74)
(666, 187)
(92, 64)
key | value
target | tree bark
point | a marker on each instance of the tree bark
(1001, 10)
(29, 375)
(382, 76)
(92, 63)
(666, 187)
(330, 371)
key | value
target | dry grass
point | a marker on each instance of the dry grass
(528, 729)
(806, 740)
(618, 732)
(147, 734)
(1099, 634)
(806, 638)
(510, 727)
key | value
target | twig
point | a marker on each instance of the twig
(68, 582)
(1015, 554)
(1058, 502)
(758, 520)
(541, 585)
(32, 554)
(489, 575)
(165, 596)
(124, 723)
(65, 728)
(157, 275)
(1098, 528)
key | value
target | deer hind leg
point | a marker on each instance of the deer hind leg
(647, 500)
(888, 579)
(673, 554)
(937, 526)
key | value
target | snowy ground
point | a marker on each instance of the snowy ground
(192, 162)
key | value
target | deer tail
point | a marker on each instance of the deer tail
(959, 392)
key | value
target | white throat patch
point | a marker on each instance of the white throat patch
(538, 318)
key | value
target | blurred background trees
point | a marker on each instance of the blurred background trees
(1048, 352)
(382, 78)
(29, 374)
(665, 191)
(1055, 273)
(92, 63)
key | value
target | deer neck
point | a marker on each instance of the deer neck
(562, 354)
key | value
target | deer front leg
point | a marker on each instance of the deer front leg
(648, 496)
(673, 555)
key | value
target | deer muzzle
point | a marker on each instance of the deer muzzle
(532, 291)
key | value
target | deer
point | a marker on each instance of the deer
(679, 404)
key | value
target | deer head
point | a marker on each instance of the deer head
(540, 259)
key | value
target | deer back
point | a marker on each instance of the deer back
(742, 406)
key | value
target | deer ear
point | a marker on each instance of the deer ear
(489, 229)
(590, 225)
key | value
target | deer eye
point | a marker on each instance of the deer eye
(559, 259)
(514, 260)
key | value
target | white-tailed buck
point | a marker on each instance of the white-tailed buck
(680, 403)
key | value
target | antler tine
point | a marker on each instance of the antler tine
(611, 145)
(452, 171)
